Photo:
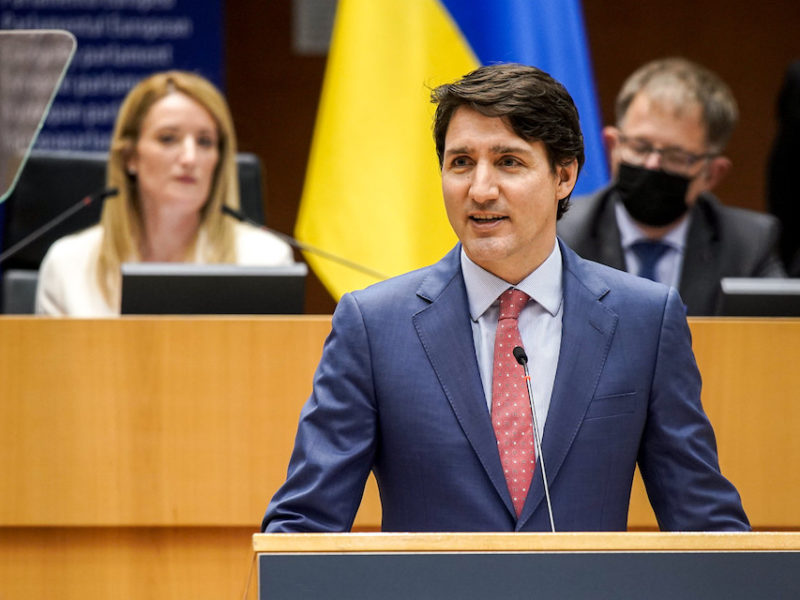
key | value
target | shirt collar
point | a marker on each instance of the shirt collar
(544, 285)
(630, 232)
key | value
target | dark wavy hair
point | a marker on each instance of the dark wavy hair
(536, 106)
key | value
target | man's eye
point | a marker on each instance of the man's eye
(459, 161)
(509, 161)
(641, 147)
(679, 156)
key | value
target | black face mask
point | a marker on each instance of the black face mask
(654, 198)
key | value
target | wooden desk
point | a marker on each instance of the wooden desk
(751, 393)
(137, 451)
(149, 422)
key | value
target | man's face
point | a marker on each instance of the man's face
(501, 194)
(662, 125)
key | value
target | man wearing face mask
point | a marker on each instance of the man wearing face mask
(659, 219)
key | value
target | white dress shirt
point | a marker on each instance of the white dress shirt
(539, 324)
(669, 266)
(68, 274)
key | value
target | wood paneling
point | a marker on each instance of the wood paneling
(751, 388)
(138, 454)
(149, 422)
(198, 416)
(88, 563)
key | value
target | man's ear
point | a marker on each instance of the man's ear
(610, 139)
(611, 142)
(567, 177)
(718, 167)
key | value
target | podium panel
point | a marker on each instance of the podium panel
(545, 567)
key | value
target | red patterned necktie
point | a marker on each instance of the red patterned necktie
(511, 411)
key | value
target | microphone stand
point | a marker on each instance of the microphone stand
(239, 216)
(522, 358)
(57, 220)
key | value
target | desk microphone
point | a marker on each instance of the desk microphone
(522, 358)
(239, 216)
(58, 219)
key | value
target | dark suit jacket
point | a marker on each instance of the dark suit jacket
(782, 169)
(398, 391)
(722, 242)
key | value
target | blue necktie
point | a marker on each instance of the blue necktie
(649, 253)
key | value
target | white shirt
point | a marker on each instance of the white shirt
(539, 324)
(670, 265)
(68, 274)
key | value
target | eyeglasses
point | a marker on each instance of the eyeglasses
(676, 160)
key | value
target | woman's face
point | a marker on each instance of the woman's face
(176, 154)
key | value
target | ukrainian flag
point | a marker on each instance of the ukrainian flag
(372, 192)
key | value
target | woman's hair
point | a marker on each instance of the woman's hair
(122, 215)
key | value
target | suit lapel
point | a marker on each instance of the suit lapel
(445, 332)
(702, 245)
(587, 330)
(606, 233)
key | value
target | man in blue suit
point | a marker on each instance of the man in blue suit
(413, 375)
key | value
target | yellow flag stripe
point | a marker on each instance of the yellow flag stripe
(372, 192)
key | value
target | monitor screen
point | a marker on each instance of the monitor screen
(760, 297)
(194, 289)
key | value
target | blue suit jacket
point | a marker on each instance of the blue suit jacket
(398, 392)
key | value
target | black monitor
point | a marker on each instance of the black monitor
(760, 297)
(193, 289)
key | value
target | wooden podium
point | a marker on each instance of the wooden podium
(578, 566)
(137, 455)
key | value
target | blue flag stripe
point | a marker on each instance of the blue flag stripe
(550, 35)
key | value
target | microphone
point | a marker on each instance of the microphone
(239, 216)
(522, 358)
(58, 219)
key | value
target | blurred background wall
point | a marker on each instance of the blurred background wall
(273, 89)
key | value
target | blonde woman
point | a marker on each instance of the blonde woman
(172, 159)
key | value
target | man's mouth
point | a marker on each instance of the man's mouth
(486, 219)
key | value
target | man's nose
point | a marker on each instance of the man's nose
(484, 183)
(653, 159)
